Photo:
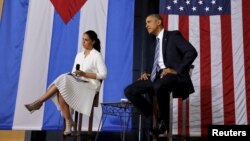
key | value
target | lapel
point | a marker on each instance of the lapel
(164, 44)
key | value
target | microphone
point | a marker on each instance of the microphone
(77, 66)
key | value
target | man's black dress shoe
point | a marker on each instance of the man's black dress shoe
(160, 130)
(162, 127)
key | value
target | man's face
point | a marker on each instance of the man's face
(152, 25)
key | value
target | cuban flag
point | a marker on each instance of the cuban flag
(219, 30)
(39, 40)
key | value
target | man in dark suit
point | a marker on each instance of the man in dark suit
(169, 64)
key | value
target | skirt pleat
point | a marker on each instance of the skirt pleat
(79, 95)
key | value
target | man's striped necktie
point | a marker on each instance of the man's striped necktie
(154, 70)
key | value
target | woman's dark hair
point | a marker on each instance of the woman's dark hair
(93, 36)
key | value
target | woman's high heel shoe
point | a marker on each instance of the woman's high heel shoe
(69, 124)
(33, 106)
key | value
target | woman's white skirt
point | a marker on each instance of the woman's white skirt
(79, 95)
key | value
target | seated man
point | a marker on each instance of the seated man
(173, 56)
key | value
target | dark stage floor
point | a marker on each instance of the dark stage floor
(103, 136)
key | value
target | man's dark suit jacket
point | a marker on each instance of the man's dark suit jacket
(179, 55)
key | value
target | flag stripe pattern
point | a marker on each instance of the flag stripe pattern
(246, 49)
(217, 29)
(36, 46)
(10, 57)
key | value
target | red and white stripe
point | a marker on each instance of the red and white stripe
(222, 69)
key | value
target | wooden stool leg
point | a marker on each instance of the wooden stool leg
(185, 104)
(170, 132)
(79, 129)
(155, 115)
(90, 124)
(76, 122)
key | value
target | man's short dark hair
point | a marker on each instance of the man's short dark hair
(157, 16)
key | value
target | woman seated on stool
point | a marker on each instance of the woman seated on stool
(77, 90)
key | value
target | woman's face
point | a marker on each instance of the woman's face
(87, 42)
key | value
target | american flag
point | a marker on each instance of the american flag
(220, 31)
